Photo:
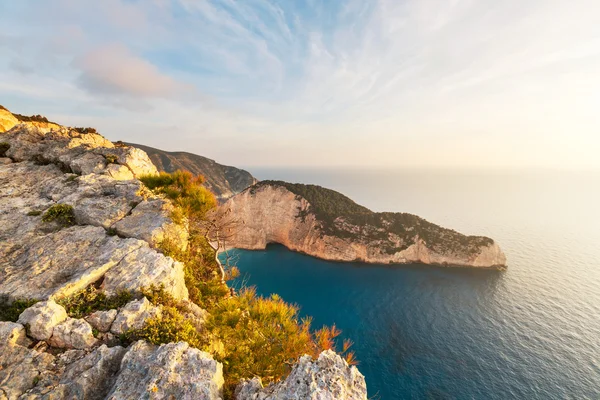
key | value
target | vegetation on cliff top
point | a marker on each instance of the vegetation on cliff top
(340, 216)
(251, 335)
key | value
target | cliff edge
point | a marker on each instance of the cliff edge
(80, 246)
(326, 224)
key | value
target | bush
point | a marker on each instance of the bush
(111, 158)
(33, 118)
(185, 190)
(171, 326)
(4, 148)
(11, 312)
(34, 213)
(91, 299)
(84, 130)
(257, 336)
(63, 213)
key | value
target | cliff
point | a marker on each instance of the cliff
(224, 181)
(325, 224)
(81, 242)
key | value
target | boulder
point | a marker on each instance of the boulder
(92, 376)
(72, 334)
(144, 267)
(41, 318)
(102, 320)
(151, 221)
(133, 315)
(13, 334)
(61, 263)
(327, 378)
(171, 371)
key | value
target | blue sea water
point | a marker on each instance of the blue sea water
(530, 332)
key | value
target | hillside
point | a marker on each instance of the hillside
(224, 181)
(326, 224)
(109, 288)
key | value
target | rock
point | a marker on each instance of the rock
(13, 334)
(88, 163)
(327, 378)
(5, 160)
(145, 267)
(21, 369)
(151, 221)
(133, 315)
(61, 263)
(119, 172)
(7, 120)
(171, 371)
(102, 320)
(101, 211)
(196, 315)
(92, 376)
(72, 334)
(41, 318)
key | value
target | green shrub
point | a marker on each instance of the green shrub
(63, 213)
(32, 118)
(111, 231)
(257, 336)
(4, 146)
(91, 299)
(111, 158)
(185, 190)
(84, 130)
(170, 326)
(34, 213)
(11, 312)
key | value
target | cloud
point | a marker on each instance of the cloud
(113, 70)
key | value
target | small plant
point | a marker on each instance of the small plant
(171, 326)
(84, 130)
(111, 158)
(91, 299)
(120, 143)
(111, 231)
(11, 312)
(34, 213)
(4, 148)
(71, 178)
(63, 213)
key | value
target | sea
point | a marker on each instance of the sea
(419, 332)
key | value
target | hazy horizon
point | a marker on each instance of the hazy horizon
(265, 83)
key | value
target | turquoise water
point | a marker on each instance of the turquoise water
(420, 332)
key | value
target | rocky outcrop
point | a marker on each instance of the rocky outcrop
(108, 236)
(224, 181)
(327, 378)
(171, 371)
(277, 212)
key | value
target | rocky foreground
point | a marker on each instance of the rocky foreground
(110, 242)
(328, 225)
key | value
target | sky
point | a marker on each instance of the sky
(312, 83)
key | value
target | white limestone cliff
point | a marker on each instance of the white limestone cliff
(270, 213)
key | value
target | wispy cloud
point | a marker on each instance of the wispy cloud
(397, 82)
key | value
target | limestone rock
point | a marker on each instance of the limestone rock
(102, 320)
(327, 378)
(133, 315)
(41, 318)
(151, 221)
(171, 371)
(20, 369)
(7, 120)
(61, 263)
(72, 334)
(5, 160)
(13, 333)
(145, 267)
(92, 376)
(119, 172)
(88, 163)
(101, 211)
